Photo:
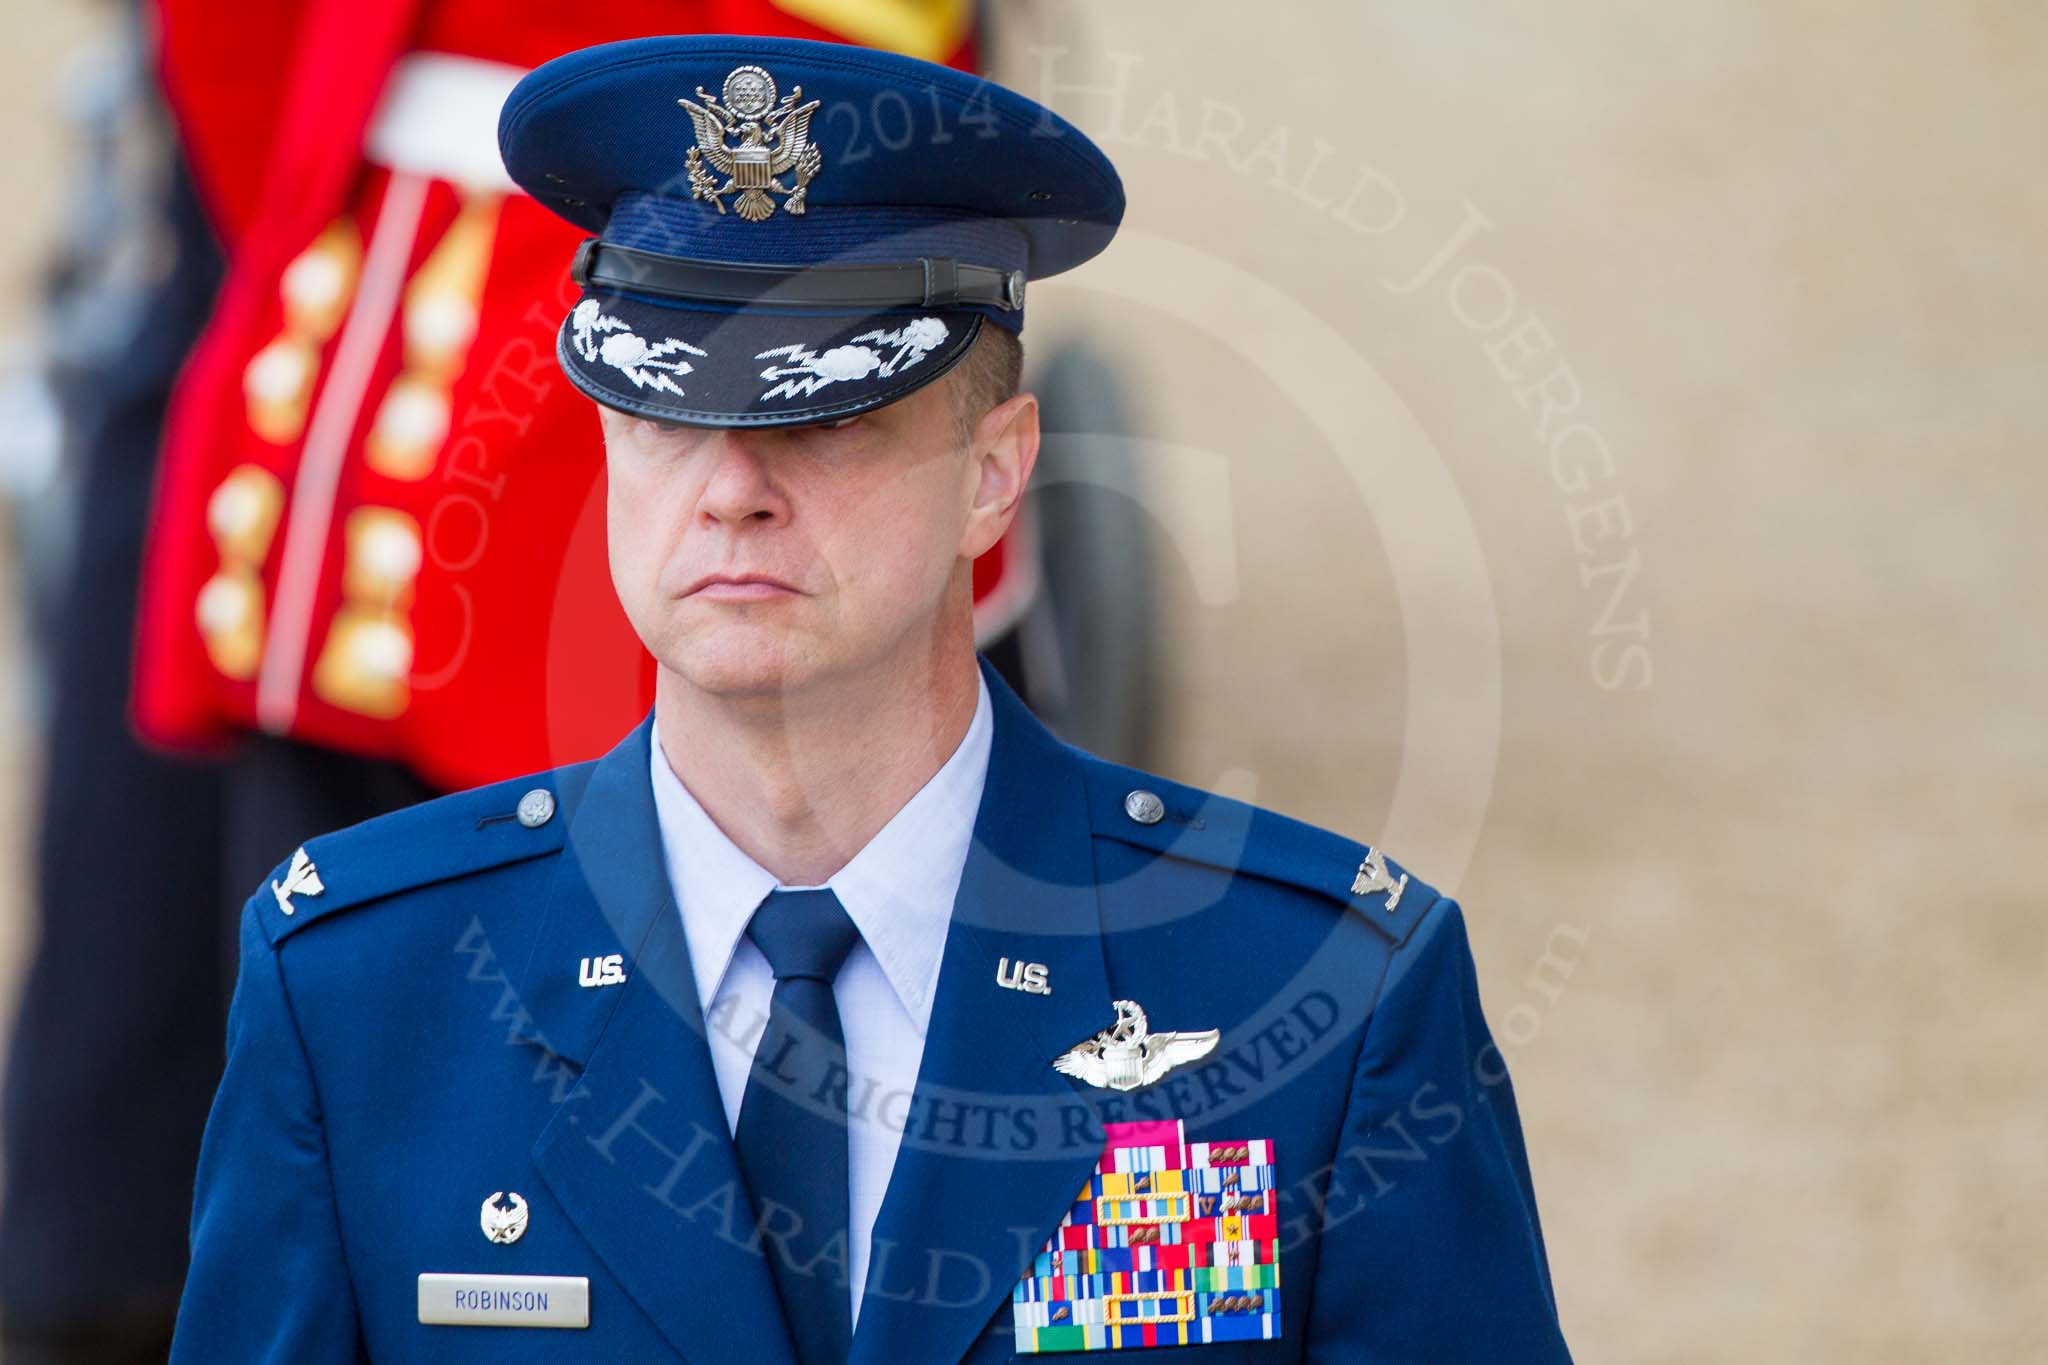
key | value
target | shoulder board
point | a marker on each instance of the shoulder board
(435, 841)
(1142, 808)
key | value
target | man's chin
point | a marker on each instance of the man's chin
(740, 662)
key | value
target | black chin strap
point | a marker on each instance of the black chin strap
(927, 282)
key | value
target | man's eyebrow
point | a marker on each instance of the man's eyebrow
(828, 423)
(653, 421)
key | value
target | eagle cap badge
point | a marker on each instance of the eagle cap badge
(752, 138)
(1128, 1054)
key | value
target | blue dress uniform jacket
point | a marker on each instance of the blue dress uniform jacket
(416, 1037)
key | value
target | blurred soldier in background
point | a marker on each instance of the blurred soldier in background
(112, 1050)
(377, 500)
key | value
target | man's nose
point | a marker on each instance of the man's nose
(739, 487)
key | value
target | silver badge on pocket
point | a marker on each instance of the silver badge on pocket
(504, 1223)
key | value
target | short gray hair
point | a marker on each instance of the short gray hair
(988, 375)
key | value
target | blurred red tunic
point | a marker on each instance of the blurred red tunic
(380, 516)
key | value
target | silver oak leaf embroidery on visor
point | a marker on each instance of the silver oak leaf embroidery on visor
(598, 336)
(807, 371)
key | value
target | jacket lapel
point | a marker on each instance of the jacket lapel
(638, 1153)
(996, 1143)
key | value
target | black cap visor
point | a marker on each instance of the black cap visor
(748, 368)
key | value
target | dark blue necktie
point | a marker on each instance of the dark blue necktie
(791, 1138)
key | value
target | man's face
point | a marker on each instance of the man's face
(856, 536)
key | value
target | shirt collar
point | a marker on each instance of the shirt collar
(899, 889)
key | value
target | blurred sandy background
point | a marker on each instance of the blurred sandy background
(38, 44)
(1780, 1073)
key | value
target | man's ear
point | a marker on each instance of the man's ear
(1001, 451)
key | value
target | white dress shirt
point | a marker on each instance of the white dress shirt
(899, 891)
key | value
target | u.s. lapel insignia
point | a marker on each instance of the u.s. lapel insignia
(504, 1223)
(773, 139)
(301, 879)
(1171, 1243)
(1028, 977)
(1128, 1054)
(1373, 876)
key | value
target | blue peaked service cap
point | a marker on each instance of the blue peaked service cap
(791, 232)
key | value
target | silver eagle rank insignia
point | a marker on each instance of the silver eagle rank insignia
(300, 879)
(752, 139)
(1373, 875)
(1128, 1054)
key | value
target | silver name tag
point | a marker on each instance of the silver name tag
(505, 1300)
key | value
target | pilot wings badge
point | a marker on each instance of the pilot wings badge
(1128, 1054)
(752, 139)
(300, 879)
